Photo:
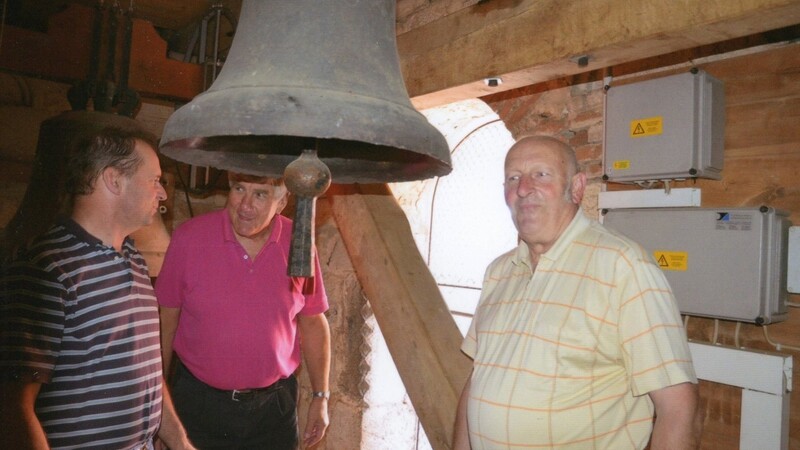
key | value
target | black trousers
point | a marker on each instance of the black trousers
(216, 419)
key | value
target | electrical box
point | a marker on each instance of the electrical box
(793, 276)
(726, 263)
(664, 129)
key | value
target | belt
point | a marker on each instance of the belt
(237, 395)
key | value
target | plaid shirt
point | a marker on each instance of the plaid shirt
(565, 352)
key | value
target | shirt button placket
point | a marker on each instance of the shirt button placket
(247, 259)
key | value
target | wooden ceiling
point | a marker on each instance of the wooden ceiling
(166, 14)
(448, 48)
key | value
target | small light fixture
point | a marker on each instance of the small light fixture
(493, 81)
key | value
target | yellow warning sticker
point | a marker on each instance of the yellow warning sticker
(622, 165)
(650, 126)
(669, 260)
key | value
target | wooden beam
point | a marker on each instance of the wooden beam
(170, 14)
(530, 41)
(61, 54)
(153, 74)
(422, 336)
(64, 52)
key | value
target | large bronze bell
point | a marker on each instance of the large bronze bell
(313, 78)
(310, 74)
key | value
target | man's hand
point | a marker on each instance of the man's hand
(317, 421)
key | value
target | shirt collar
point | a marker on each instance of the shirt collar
(74, 228)
(576, 227)
(81, 234)
(229, 236)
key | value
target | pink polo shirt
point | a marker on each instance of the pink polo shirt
(238, 321)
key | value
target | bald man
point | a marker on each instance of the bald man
(576, 340)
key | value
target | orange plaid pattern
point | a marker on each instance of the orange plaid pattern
(565, 354)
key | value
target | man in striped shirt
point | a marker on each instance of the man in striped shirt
(576, 340)
(80, 357)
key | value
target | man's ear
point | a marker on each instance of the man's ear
(112, 180)
(578, 187)
(283, 202)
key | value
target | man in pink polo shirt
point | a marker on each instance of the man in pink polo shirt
(239, 324)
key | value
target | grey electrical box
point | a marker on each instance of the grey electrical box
(727, 263)
(664, 129)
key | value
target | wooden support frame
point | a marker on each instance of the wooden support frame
(420, 332)
(524, 42)
(64, 52)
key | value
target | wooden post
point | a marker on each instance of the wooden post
(422, 336)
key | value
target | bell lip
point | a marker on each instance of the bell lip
(239, 114)
(344, 168)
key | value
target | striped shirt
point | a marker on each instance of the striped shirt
(82, 319)
(565, 352)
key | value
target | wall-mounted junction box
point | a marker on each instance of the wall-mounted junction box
(793, 277)
(665, 128)
(727, 263)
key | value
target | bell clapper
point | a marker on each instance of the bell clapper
(307, 178)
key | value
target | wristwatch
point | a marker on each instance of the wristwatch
(321, 394)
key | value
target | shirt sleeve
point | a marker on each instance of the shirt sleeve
(316, 299)
(470, 343)
(655, 348)
(31, 321)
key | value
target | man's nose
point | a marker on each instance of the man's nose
(526, 185)
(247, 200)
(162, 193)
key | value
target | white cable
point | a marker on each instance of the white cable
(607, 81)
(716, 332)
(736, 335)
(778, 346)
